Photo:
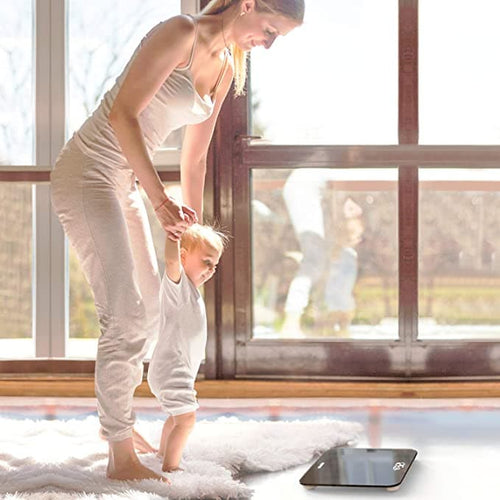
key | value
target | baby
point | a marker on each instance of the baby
(183, 334)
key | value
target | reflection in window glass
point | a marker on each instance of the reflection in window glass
(16, 84)
(84, 326)
(333, 80)
(324, 253)
(459, 75)
(16, 338)
(459, 281)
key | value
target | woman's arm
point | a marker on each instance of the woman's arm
(194, 151)
(160, 54)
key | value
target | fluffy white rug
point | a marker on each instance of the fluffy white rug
(63, 460)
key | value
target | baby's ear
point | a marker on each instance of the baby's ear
(247, 6)
(183, 254)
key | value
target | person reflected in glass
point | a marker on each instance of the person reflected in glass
(178, 76)
(329, 258)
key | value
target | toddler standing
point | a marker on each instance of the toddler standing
(183, 334)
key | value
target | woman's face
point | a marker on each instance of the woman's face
(255, 28)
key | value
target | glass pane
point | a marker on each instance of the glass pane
(459, 281)
(103, 34)
(459, 76)
(333, 80)
(16, 338)
(84, 326)
(324, 253)
(16, 86)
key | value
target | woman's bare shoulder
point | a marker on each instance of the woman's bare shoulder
(182, 26)
(172, 38)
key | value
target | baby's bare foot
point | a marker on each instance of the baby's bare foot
(167, 468)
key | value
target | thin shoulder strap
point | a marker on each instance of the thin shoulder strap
(222, 72)
(188, 65)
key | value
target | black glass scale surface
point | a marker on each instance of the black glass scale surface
(360, 467)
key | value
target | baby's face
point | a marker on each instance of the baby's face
(200, 264)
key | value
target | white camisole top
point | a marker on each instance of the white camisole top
(177, 103)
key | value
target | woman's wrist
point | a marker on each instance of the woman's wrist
(162, 203)
(158, 197)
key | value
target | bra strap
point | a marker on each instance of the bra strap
(188, 65)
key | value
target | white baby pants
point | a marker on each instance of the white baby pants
(104, 217)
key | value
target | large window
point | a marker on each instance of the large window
(364, 241)
(366, 238)
(59, 57)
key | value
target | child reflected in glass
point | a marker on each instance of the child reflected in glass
(328, 236)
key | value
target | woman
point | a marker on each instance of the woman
(179, 75)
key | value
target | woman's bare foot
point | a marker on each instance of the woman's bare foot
(133, 471)
(141, 445)
(124, 465)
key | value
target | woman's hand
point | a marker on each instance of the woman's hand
(174, 218)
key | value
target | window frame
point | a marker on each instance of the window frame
(240, 355)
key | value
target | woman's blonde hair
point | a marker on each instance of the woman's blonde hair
(293, 9)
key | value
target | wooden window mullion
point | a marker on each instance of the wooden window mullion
(408, 177)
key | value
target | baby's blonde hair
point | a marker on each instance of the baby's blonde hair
(293, 9)
(198, 235)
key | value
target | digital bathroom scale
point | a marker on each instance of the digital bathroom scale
(361, 467)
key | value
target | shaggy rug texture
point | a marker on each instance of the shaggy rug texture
(65, 460)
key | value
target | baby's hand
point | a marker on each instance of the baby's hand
(190, 215)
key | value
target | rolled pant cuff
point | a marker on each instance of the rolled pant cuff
(114, 438)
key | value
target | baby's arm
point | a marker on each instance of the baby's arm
(172, 260)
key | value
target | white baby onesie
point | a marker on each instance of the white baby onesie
(181, 345)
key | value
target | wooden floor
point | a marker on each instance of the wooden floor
(42, 385)
(458, 440)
